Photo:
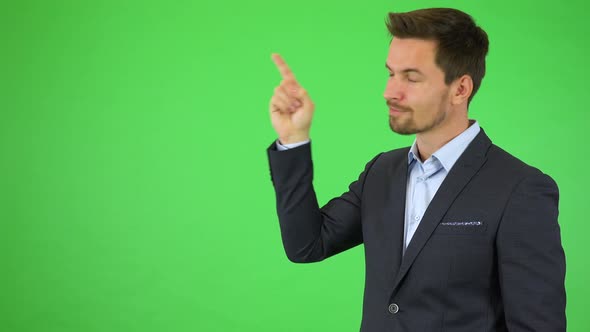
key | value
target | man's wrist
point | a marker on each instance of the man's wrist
(283, 147)
(293, 139)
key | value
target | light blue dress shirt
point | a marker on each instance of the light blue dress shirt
(424, 178)
(283, 147)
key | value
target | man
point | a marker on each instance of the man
(459, 235)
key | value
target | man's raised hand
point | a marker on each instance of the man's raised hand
(291, 109)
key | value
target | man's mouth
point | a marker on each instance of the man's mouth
(395, 111)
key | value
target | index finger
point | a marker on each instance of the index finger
(283, 68)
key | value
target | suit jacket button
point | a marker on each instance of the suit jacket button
(393, 308)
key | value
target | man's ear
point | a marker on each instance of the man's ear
(461, 90)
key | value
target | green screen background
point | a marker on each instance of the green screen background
(135, 188)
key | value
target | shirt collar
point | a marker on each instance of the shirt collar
(450, 152)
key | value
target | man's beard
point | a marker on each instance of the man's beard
(405, 124)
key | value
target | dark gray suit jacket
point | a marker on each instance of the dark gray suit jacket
(487, 255)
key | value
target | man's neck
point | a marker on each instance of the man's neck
(429, 142)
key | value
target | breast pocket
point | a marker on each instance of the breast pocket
(461, 227)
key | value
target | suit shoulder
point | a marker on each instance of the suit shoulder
(510, 165)
(392, 157)
(395, 154)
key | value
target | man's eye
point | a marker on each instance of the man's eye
(390, 75)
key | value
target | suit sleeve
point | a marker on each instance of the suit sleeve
(531, 260)
(310, 233)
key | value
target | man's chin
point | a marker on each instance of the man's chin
(400, 129)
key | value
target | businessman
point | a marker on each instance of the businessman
(459, 235)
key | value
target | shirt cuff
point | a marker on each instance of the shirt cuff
(283, 147)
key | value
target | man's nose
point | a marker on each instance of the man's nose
(393, 89)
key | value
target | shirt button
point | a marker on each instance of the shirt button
(417, 218)
(393, 308)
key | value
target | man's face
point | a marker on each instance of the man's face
(416, 94)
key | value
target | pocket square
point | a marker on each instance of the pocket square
(461, 223)
(458, 227)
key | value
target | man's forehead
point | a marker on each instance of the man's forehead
(411, 47)
(410, 53)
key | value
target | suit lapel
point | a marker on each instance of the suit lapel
(394, 212)
(464, 169)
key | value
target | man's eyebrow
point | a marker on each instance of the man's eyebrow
(407, 70)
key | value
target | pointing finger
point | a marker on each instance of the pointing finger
(284, 69)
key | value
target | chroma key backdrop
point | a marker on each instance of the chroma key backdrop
(135, 190)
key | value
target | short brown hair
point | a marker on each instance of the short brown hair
(461, 45)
